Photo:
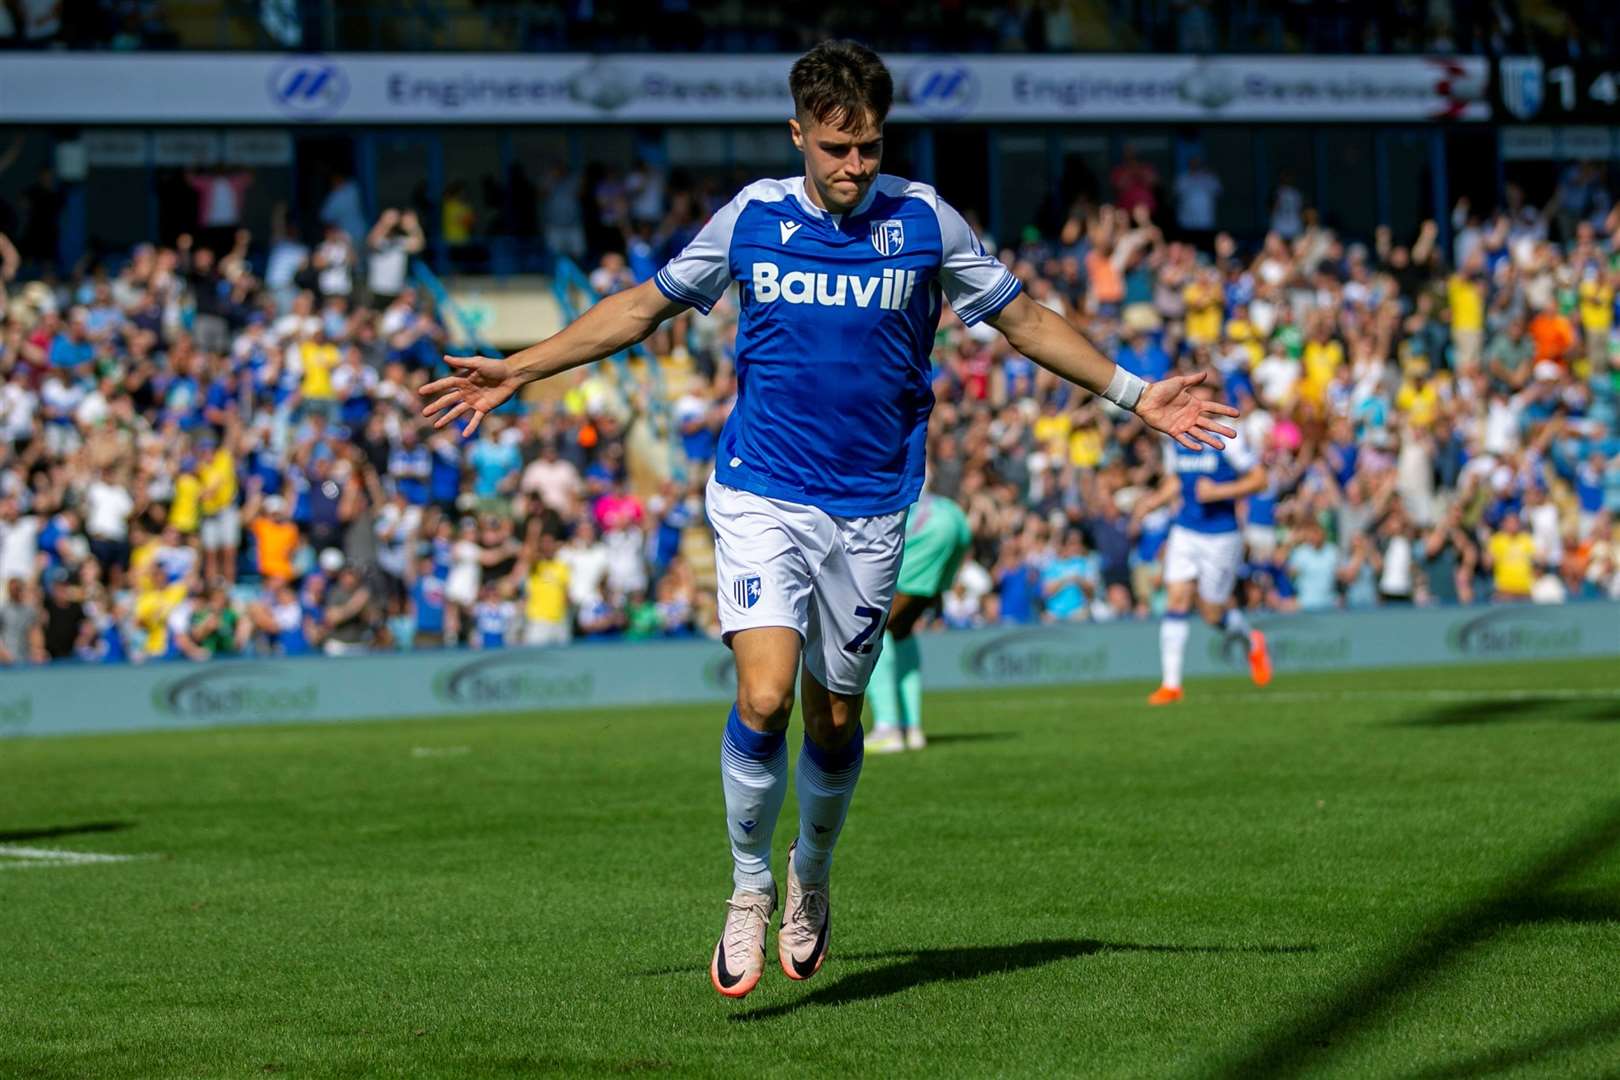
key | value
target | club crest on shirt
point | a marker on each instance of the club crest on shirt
(888, 237)
(745, 590)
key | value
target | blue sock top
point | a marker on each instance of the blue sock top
(758, 745)
(833, 761)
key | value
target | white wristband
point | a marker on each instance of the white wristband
(1124, 389)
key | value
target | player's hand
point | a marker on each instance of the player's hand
(481, 385)
(1204, 490)
(1170, 406)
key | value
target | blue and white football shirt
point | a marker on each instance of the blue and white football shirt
(1222, 466)
(838, 319)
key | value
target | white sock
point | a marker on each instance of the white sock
(1235, 624)
(1172, 648)
(826, 783)
(753, 772)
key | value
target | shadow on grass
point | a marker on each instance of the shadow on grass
(1598, 1030)
(952, 738)
(1530, 896)
(52, 832)
(1483, 711)
(911, 968)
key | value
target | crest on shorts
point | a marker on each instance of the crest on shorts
(888, 237)
(745, 590)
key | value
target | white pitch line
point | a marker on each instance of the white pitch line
(31, 857)
(1435, 694)
(440, 751)
(1554, 694)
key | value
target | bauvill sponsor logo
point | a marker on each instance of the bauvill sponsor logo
(890, 290)
(16, 715)
(236, 691)
(1297, 642)
(1513, 632)
(1039, 655)
(525, 677)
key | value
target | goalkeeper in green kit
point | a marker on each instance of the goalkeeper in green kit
(937, 540)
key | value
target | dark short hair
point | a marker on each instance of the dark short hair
(837, 82)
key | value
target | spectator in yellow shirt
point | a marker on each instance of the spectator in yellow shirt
(1204, 297)
(1052, 428)
(1597, 316)
(459, 215)
(1242, 332)
(1086, 447)
(317, 359)
(155, 600)
(546, 618)
(143, 547)
(1324, 356)
(1465, 295)
(221, 521)
(1418, 397)
(185, 508)
(1511, 559)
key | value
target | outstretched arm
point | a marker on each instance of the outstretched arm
(1250, 483)
(9, 259)
(482, 383)
(1169, 487)
(1167, 405)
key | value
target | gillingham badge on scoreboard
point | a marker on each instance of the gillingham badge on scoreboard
(888, 237)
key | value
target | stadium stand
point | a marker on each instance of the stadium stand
(1438, 27)
(212, 448)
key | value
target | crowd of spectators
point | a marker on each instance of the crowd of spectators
(1571, 29)
(207, 453)
(213, 447)
(1438, 427)
(84, 24)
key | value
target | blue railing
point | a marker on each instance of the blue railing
(569, 284)
(429, 282)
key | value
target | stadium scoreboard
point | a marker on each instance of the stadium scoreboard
(1577, 91)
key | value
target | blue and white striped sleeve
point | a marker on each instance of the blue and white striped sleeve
(975, 282)
(701, 273)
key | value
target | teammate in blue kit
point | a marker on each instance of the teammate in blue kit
(1203, 553)
(842, 274)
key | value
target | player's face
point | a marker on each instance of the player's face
(839, 161)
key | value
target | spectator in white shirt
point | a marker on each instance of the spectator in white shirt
(587, 560)
(108, 506)
(393, 240)
(1197, 191)
(554, 480)
(19, 543)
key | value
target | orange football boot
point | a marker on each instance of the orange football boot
(1259, 658)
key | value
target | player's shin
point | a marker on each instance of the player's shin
(908, 661)
(753, 773)
(882, 690)
(1173, 647)
(1235, 626)
(826, 784)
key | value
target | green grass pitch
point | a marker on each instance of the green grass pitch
(1395, 874)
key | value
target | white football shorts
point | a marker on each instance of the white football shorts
(830, 578)
(1211, 559)
(222, 530)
